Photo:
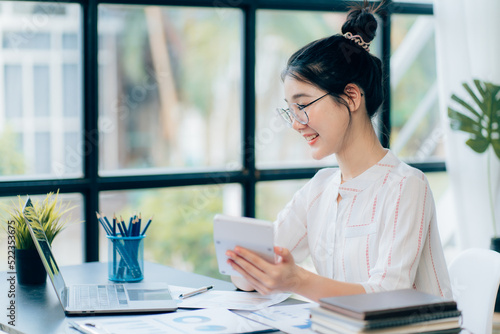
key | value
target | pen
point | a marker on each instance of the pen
(195, 292)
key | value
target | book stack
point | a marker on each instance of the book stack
(398, 311)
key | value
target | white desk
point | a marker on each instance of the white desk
(38, 310)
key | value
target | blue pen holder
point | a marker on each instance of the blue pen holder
(125, 258)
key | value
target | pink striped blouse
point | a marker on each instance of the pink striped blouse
(383, 233)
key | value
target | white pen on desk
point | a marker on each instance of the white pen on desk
(195, 292)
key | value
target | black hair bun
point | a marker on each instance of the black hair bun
(361, 21)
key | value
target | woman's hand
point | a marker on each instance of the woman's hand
(241, 283)
(265, 277)
(284, 276)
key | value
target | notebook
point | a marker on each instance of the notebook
(87, 299)
(381, 305)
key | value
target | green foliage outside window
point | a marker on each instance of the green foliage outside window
(12, 161)
(181, 233)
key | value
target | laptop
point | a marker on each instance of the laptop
(85, 299)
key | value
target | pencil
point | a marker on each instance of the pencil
(129, 231)
(122, 232)
(122, 223)
(147, 225)
(138, 228)
(107, 223)
(132, 228)
(106, 228)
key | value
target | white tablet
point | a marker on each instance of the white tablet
(253, 234)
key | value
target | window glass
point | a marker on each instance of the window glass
(416, 127)
(181, 231)
(170, 88)
(72, 160)
(72, 88)
(42, 153)
(41, 89)
(279, 35)
(13, 99)
(37, 40)
(34, 86)
(70, 41)
(272, 197)
(67, 245)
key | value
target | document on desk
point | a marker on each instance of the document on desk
(232, 300)
(215, 321)
(292, 319)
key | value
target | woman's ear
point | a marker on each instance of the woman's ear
(354, 96)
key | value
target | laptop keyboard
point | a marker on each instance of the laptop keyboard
(99, 297)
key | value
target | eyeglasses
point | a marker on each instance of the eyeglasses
(297, 111)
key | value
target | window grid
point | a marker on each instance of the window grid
(92, 184)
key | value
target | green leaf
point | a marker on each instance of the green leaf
(496, 147)
(474, 97)
(49, 215)
(479, 145)
(465, 105)
(463, 123)
(485, 129)
(492, 88)
(479, 88)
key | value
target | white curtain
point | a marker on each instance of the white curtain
(468, 48)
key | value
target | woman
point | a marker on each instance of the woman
(369, 225)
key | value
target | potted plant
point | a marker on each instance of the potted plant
(49, 213)
(483, 124)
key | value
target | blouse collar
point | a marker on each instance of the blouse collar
(368, 177)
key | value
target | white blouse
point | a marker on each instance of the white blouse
(383, 233)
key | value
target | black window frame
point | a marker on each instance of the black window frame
(91, 184)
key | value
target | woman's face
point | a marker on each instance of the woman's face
(328, 120)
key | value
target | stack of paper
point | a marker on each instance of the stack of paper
(231, 300)
(218, 312)
(221, 321)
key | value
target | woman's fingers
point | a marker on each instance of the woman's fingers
(263, 272)
(255, 269)
(255, 283)
(265, 277)
(248, 262)
(252, 258)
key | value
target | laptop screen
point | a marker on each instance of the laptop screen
(43, 247)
